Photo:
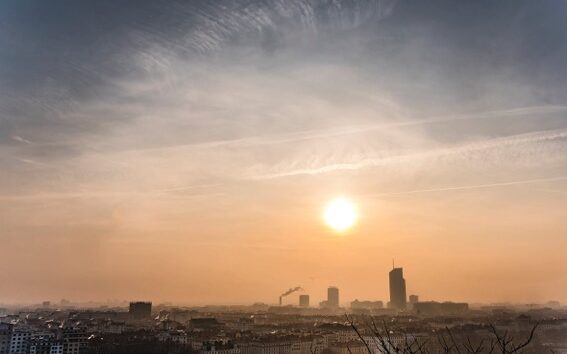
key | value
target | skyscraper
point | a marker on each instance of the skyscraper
(333, 297)
(397, 289)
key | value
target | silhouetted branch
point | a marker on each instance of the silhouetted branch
(383, 341)
(506, 343)
(351, 322)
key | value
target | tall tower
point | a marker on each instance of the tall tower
(333, 297)
(397, 289)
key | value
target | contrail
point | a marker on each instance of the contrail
(475, 186)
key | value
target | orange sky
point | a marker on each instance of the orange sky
(188, 157)
(242, 246)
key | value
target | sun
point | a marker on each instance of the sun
(340, 214)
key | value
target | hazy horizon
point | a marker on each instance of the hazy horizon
(185, 151)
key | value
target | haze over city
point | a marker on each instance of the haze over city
(221, 152)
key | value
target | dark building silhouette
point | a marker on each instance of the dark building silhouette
(205, 324)
(333, 297)
(332, 301)
(366, 305)
(413, 299)
(432, 308)
(304, 300)
(140, 310)
(397, 289)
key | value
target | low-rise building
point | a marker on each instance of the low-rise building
(433, 308)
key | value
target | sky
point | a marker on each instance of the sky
(184, 151)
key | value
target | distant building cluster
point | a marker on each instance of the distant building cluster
(264, 329)
(399, 301)
(433, 308)
(366, 305)
(34, 339)
(260, 329)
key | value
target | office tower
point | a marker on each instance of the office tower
(333, 297)
(140, 310)
(397, 289)
(304, 300)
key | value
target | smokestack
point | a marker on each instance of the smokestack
(290, 291)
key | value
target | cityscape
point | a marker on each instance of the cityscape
(401, 326)
(283, 176)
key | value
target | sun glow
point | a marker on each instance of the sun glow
(340, 214)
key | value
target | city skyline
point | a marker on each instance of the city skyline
(219, 152)
(398, 300)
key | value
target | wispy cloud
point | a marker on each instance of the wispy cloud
(474, 186)
(275, 139)
(218, 23)
(21, 140)
(459, 151)
(186, 192)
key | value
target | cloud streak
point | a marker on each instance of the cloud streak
(21, 140)
(457, 151)
(218, 23)
(258, 141)
(474, 186)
